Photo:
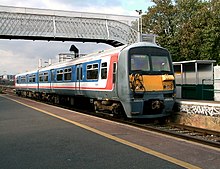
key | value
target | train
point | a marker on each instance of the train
(136, 81)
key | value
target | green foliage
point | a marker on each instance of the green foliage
(189, 29)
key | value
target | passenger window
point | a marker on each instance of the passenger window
(46, 77)
(92, 71)
(67, 73)
(23, 79)
(17, 80)
(32, 78)
(41, 77)
(104, 71)
(59, 75)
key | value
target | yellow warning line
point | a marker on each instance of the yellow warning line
(138, 147)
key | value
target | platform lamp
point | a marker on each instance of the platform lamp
(140, 23)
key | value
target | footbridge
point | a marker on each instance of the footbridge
(55, 25)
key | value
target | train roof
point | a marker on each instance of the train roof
(77, 60)
(27, 72)
(95, 55)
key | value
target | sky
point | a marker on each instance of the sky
(18, 56)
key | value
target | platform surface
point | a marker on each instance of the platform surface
(36, 135)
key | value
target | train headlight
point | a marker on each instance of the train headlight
(168, 86)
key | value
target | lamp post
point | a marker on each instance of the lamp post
(140, 24)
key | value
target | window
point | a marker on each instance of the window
(160, 63)
(45, 76)
(67, 73)
(104, 71)
(92, 71)
(23, 79)
(41, 77)
(114, 72)
(140, 62)
(148, 60)
(60, 75)
(17, 80)
(32, 78)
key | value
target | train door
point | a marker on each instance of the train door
(37, 79)
(26, 81)
(79, 77)
(52, 80)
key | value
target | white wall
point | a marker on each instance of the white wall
(217, 83)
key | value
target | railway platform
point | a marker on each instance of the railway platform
(37, 135)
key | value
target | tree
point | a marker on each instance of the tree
(189, 29)
(160, 20)
(211, 33)
(188, 32)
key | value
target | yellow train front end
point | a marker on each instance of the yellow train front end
(156, 93)
(140, 83)
(146, 81)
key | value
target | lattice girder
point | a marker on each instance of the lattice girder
(47, 26)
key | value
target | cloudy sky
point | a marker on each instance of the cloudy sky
(22, 55)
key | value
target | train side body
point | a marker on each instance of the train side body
(90, 76)
(118, 79)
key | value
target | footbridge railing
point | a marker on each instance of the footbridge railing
(42, 24)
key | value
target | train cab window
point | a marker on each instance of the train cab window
(114, 71)
(67, 73)
(104, 70)
(140, 62)
(92, 71)
(60, 75)
(160, 63)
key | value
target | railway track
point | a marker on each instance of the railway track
(189, 133)
(198, 135)
(194, 134)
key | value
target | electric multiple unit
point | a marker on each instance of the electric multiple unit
(135, 80)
